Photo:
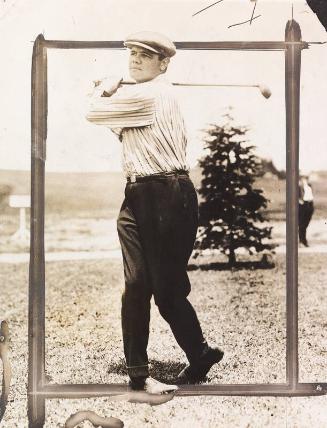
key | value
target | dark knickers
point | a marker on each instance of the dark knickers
(157, 227)
(305, 214)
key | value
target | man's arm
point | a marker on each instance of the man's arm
(107, 87)
(120, 107)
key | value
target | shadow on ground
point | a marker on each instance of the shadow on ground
(252, 265)
(165, 371)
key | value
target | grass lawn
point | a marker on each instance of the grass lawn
(243, 311)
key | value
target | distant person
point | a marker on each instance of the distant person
(158, 220)
(306, 208)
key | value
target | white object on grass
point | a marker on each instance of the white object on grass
(22, 202)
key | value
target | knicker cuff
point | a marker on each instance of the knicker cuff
(138, 371)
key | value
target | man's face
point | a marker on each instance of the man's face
(144, 65)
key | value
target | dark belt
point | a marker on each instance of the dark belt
(162, 176)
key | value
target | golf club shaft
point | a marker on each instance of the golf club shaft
(199, 84)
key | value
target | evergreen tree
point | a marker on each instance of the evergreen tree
(231, 206)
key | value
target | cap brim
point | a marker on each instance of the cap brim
(142, 45)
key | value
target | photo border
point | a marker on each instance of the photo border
(39, 389)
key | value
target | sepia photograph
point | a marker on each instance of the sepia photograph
(163, 227)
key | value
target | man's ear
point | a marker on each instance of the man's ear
(164, 64)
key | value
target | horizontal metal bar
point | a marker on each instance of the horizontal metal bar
(220, 45)
(316, 43)
(102, 390)
(238, 45)
(255, 390)
(311, 388)
(81, 390)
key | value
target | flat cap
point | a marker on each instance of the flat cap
(152, 41)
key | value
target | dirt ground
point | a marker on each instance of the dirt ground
(242, 311)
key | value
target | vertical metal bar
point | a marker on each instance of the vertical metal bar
(292, 94)
(36, 304)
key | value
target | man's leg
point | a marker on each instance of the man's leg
(173, 286)
(302, 228)
(307, 218)
(305, 215)
(136, 304)
(136, 297)
(166, 212)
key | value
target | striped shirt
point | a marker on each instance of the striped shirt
(147, 118)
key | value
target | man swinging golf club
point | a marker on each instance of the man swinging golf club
(158, 219)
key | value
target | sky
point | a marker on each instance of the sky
(74, 144)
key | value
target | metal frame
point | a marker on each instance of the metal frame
(38, 388)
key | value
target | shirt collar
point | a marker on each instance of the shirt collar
(160, 78)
